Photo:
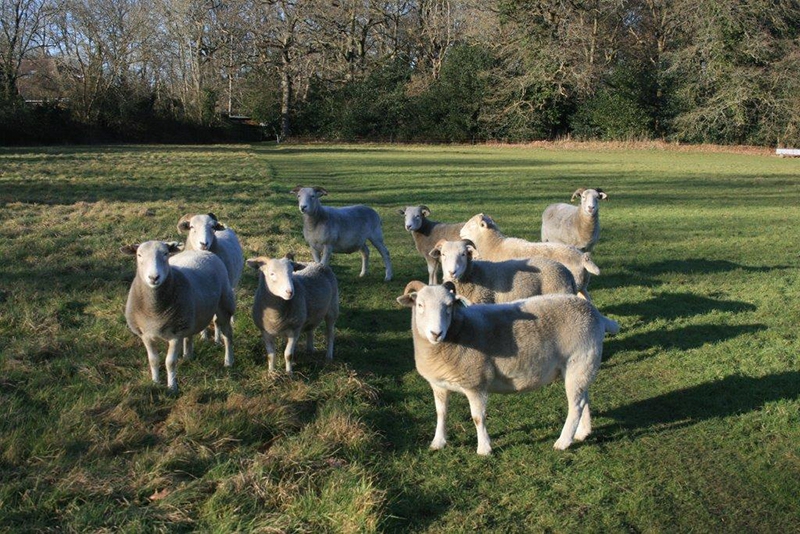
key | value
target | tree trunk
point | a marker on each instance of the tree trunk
(286, 95)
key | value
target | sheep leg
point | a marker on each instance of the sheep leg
(152, 357)
(329, 333)
(224, 327)
(585, 424)
(288, 354)
(310, 342)
(327, 250)
(269, 344)
(315, 254)
(440, 397)
(577, 399)
(217, 335)
(188, 348)
(433, 271)
(477, 407)
(384, 252)
(364, 260)
(584, 294)
(172, 364)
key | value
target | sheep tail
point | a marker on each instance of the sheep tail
(589, 265)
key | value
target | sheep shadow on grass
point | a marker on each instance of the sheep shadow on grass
(730, 396)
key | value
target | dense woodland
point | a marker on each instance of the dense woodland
(400, 70)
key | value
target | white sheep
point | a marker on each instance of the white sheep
(173, 298)
(328, 230)
(427, 233)
(206, 233)
(486, 282)
(505, 348)
(291, 299)
(494, 246)
(573, 225)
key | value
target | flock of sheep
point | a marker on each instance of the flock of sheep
(512, 315)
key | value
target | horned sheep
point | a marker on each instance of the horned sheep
(485, 282)
(573, 225)
(494, 246)
(173, 298)
(427, 233)
(505, 348)
(328, 230)
(291, 299)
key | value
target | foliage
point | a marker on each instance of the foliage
(695, 407)
(694, 71)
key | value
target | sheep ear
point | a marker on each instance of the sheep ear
(464, 302)
(407, 300)
(183, 224)
(602, 194)
(219, 226)
(472, 251)
(289, 256)
(426, 211)
(174, 247)
(212, 216)
(450, 286)
(413, 286)
(321, 191)
(296, 189)
(256, 263)
(437, 249)
(401, 212)
(129, 250)
(578, 192)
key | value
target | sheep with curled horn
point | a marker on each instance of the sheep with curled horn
(426, 233)
(505, 348)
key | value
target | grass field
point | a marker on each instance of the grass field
(696, 407)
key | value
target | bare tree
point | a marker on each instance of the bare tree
(22, 30)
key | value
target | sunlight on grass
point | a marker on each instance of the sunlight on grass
(695, 407)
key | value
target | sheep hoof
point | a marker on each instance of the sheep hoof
(581, 434)
(388, 278)
(172, 390)
(562, 444)
(438, 444)
(485, 451)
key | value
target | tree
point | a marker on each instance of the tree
(22, 30)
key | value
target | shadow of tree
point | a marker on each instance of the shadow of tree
(732, 395)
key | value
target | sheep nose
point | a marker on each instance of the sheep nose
(289, 293)
(436, 335)
(303, 208)
(154, 278)
(204, 245)
(452, 274)
(408, 227)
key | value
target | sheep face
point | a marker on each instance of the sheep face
(414, 216)
(152, 260)
(308, 198)
(277, 274)
(201, 230)
(590, 200)
(455, 257)
(433, 308)
(476, 226)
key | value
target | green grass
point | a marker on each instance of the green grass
(696, 407)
